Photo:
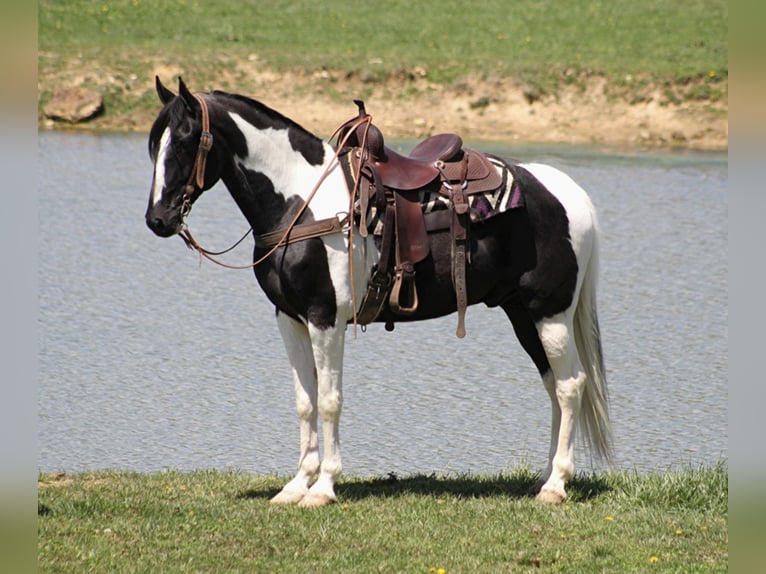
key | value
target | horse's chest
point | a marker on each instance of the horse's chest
(298, 281)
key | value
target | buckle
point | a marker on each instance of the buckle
(205, 141)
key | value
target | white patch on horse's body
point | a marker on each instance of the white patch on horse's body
(158, 184)
(578, 206)
(365, 256)
(272, 154)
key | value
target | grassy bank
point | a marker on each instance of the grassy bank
(222, 522)
(672, 51)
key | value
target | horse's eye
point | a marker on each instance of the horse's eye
(185, 130)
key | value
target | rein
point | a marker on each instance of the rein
(272, 241)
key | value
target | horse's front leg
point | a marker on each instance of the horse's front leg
(301, 355)
(328, 346)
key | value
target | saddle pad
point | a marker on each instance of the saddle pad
(486, 204)
(483, 205)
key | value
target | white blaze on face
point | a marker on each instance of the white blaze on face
(159, 167)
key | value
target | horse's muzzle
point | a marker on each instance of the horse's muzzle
(163, 226)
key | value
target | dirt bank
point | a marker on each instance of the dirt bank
(587, 112)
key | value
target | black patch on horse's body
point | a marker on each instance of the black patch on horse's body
(258, 201)
(295, 279)
(520, 258)
(548, 287)
(308, 145)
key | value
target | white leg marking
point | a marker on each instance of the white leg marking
(549, 382)
(298, 345)
(328, 348)
(569, 383)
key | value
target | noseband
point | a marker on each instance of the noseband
(197, 176)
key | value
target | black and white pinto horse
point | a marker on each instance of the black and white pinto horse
(539, 264)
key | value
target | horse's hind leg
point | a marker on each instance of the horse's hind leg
(551, 346)
(526, 333)
(298, 345)
(565, 383)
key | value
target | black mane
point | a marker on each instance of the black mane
(258, 113)
(275, 118)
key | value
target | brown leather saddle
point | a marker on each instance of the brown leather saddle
(394, 181)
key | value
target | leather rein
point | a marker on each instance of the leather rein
(275, 239)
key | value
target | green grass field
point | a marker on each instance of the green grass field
(223, 522)
(542, 44)
(448, 37)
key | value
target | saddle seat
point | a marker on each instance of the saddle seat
(439, 156)
(408, 173)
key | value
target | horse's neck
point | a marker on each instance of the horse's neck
(271, 180)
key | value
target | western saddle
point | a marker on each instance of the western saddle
(392, 181)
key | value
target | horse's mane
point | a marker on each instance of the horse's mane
(175, 111)
(261, 109)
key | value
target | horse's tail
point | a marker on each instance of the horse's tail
(594, 412)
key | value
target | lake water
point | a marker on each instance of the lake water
(150, 361)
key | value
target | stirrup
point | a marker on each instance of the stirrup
(404, 275)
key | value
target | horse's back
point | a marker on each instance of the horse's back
(573, 198)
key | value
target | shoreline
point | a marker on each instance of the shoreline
(497, 110)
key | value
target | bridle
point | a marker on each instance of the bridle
(272, 241)
(294, 231)
(196, 179)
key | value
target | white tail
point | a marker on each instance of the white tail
(594, 413)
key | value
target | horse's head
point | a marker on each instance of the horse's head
(179, 143)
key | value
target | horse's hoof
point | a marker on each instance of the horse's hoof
(316, 500)
(549, 496)
(535, 489)
(288, 497)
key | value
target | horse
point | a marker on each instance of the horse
(537, 262)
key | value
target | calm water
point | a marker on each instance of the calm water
(150, 361)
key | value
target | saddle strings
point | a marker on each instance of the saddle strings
(366, 119)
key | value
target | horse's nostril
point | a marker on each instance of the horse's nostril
(157, 225)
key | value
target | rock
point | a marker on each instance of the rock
(74, 105)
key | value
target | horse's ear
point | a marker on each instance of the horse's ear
(191, 102)
(164, 94)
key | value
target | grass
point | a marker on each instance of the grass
(683, 38)
(222, 522)
(632, 44)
